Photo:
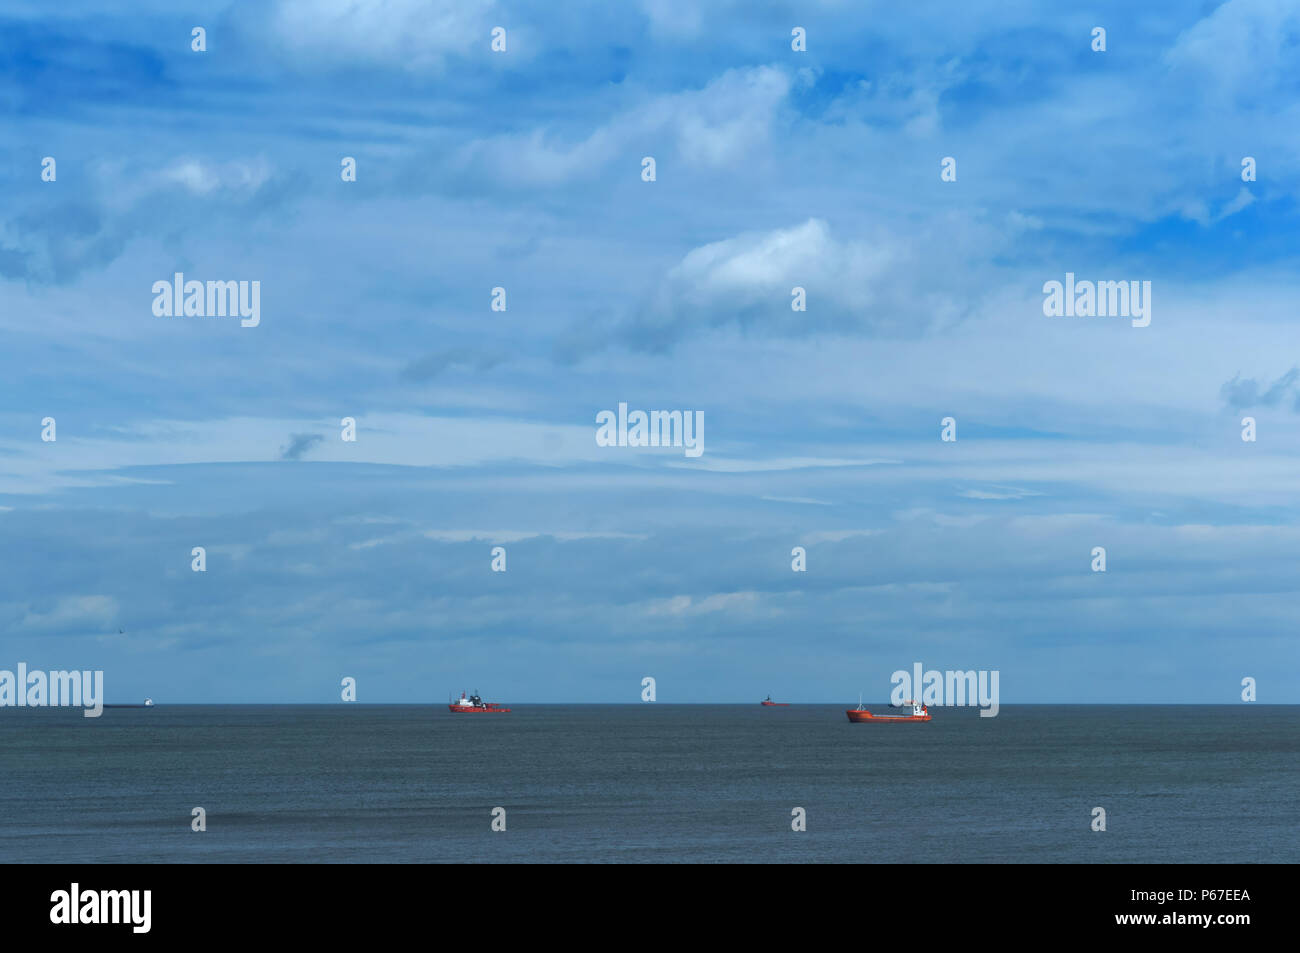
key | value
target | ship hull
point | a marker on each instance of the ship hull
(866, 717)
(474, 710)
(775, 704)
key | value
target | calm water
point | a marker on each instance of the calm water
(664, 783)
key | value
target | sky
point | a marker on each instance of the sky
(476, 428)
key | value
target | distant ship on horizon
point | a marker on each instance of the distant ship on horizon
(860, 714)
(468, 704)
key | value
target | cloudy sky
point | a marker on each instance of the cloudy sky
(476, 428)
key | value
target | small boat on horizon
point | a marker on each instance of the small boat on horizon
(768, 703)
(467, 704)
(860, 714)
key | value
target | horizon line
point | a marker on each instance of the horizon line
(568, 704)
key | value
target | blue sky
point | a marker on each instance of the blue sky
(476, 428)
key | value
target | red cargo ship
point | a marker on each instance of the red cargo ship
(473, 703)
(768, 703)
(919, 713)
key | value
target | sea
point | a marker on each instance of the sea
(650, 783)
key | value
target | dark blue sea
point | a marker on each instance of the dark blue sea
(650, 783)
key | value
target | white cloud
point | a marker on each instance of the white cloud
(1244, 47)
(515, 535)
(998, 493)
(393, 439)
(838, 535)
(1198, 211)
(673, 18)
(713, 127)
(415, 34)
(728, 118)
(886, 284)
(733, 465)
(688, 605)
(74, 612)
(203, 177)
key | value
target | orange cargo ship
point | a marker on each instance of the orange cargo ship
(473, 703)
(768, 703)
(919, 713)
